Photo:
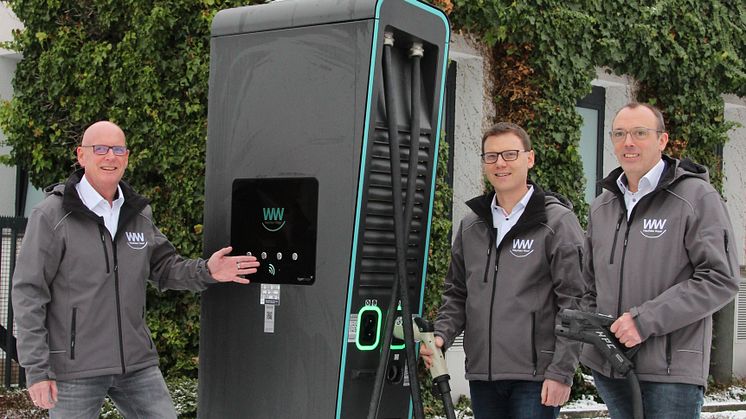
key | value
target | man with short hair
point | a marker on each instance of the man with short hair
(515, 263)
(79, 289)
(660, 258)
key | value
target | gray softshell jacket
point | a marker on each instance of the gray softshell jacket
(506, 299)
(671, 266)
(79, 294)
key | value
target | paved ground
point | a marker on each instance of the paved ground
(728, 410)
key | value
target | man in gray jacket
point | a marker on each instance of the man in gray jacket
(660, 258)
(516, 261)
(79, 289)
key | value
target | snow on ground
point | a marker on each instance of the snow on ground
(733, 399)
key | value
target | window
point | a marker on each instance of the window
(591, 109)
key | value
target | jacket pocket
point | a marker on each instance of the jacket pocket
(727, 252)
(145, 329)
(103, 244)
(72, 332)
(534, 355)
(668, 354)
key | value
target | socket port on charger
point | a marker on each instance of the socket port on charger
(368, 328)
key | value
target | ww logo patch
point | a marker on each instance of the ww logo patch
(653, 228)
(135, 241)
(522, 248)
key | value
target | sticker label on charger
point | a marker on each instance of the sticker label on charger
(352, 330)
(269, 298)
(269, 318)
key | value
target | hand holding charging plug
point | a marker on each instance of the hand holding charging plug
(431, 345)
(432, 354)
(427, 353)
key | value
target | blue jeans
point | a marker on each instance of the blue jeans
(137, 394)
(515, 399)
(659, 400)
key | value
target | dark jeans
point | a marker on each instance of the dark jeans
(513, 399)
(139, 394)
(659, 400)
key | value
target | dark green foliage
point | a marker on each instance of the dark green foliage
(439, 253)
(683, 53)
(145, 66)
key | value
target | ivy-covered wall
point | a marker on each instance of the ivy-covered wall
(144, 64)
(683, 54)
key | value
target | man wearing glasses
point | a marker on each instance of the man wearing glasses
(79, 289)
(515, 262)
(660, 258)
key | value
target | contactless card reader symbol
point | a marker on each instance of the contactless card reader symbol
(272, 269)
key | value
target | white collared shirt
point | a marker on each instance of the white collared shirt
(646, 185)
(99, 205)
(502, 221)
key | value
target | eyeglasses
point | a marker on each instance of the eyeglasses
(638, 133)
(508, 155)
(119, 150)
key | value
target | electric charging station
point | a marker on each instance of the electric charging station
(310, 102)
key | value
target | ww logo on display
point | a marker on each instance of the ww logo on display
(273, 218)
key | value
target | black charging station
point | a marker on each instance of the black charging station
(310, 102)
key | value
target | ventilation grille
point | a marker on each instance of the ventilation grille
(741, 309)
(378, 255)
(458, 343)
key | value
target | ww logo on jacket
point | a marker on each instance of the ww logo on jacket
(522, 248)
(653, 228)
(135, 241)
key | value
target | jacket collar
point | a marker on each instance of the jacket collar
(534, 213)
(675, 170)
(133, 202)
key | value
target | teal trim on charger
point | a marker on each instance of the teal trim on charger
(378, 328)
(358, 207)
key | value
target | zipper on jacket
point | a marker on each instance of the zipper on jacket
(621, 273)
(72, 333)
(727, 252)
(534, 357)
(103, 243)
(492, 307)
(616, 233)
(668, 354)
(489, 254)
(119, 305)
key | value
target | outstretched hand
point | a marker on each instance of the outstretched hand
(228, 268)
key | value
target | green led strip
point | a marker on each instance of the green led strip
(378, 328)
(403, 344)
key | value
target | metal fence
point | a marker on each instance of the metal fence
(11, 233)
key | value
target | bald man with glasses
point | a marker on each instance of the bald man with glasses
(89, 249)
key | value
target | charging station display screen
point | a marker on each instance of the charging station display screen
(275, 219)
